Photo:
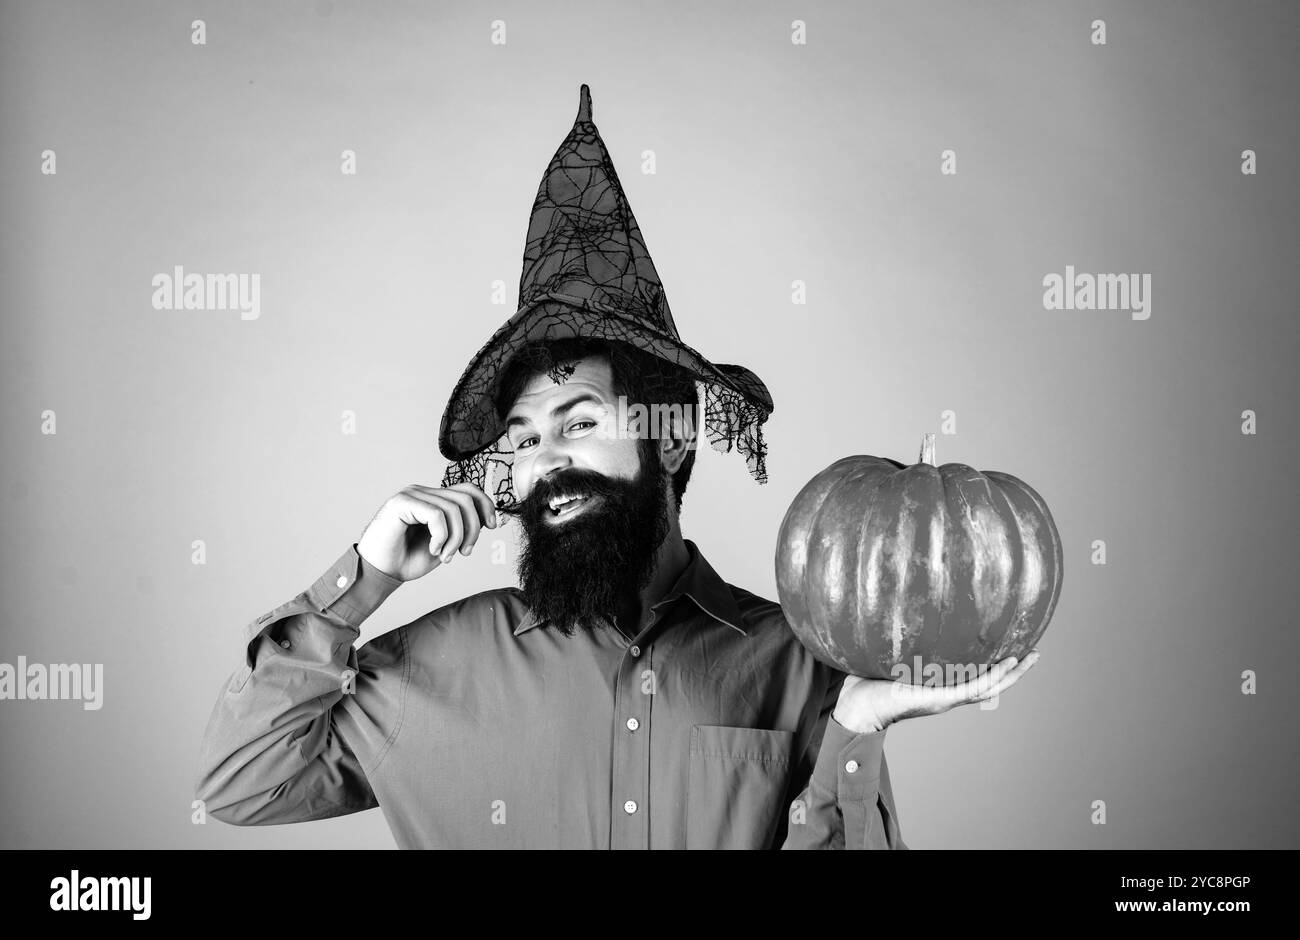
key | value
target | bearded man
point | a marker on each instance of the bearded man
(623, 695)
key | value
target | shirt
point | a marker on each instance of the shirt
(475, 727)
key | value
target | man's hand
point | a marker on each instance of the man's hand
(874, 704)
(423, 526)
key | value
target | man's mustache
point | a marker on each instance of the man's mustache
(583, 482)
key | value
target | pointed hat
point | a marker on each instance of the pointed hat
(587, 273)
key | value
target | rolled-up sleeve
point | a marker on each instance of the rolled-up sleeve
(272, 752)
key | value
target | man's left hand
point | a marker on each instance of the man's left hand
(874, 704)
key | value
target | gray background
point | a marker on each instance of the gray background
(775, 162)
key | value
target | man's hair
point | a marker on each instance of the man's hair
(638, 376)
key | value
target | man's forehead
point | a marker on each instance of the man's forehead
(591, 374)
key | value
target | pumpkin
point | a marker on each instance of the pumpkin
(893, 572)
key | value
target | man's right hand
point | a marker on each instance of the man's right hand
(423, 527)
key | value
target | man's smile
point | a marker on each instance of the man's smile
(561, 507)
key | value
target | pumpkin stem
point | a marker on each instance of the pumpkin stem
(927, 449)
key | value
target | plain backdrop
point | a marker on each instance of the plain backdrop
(774, 163)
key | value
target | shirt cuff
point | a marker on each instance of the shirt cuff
(352, 588)
(848, 764)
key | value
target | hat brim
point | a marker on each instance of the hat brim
(470, 422)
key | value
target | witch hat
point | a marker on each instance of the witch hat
(587, 273)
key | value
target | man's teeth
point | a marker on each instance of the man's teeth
(563, 501)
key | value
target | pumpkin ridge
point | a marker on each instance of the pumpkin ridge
(1042, 518)
(858, 474)
(899, 532)
(1016, 584)
(962, 517)
(866, 531)
(972, 529)
(813, 560)
(927, 483)
(1027, 528)
(939, 510)
(797, 528)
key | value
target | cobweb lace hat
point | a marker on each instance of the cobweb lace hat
(587, 273)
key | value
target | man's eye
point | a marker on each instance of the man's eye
(582, 422)
(524, 443)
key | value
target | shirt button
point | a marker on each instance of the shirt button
(851, 766)
(635, 651)
(343, 579)
(633, 724)
(284, 643)
(629, 807)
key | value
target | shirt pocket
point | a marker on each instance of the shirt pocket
(738, 779)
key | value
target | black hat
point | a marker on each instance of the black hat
(587, 273)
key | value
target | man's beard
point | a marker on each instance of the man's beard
(594, 565)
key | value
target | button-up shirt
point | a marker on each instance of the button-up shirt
(476, 727)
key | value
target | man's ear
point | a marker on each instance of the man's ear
(680, 439)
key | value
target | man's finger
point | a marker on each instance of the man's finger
(482, 500)
(935, 698)
(983, 685)
(470, 517)
(451, 514)
(473, 498)
(1009, 679)
(465, 512)
(431, 517)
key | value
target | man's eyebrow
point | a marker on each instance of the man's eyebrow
(562, 407)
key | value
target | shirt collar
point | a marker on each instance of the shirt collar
(698, 581)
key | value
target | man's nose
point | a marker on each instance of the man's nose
(550, 456)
